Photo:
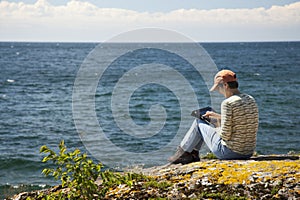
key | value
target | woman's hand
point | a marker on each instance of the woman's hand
(213, 115)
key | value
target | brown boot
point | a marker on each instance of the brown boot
(181, 157)
(195, 154)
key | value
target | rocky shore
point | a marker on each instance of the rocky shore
(262, 177)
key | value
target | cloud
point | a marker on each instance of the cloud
(83, 21)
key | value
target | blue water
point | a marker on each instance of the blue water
(36, 84)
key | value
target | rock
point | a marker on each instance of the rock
(275, 157)
(257, 178)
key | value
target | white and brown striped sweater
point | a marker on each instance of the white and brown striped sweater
(239, 123)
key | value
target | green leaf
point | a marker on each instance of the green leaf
(45, 159)
(61, 144)
(43, 149)
(46, 171)
(76, 151)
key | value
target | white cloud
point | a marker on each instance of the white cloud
(83, 21)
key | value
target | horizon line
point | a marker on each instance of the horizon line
(50, 41)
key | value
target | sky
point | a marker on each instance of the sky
(101, 20)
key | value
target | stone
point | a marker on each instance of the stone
(268, 177)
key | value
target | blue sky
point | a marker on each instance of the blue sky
(99, 20)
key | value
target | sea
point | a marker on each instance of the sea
(39, 101)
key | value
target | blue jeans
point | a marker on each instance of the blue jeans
(201, 132)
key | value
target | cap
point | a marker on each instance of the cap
(223, 76)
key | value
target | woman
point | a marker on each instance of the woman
(235, 138)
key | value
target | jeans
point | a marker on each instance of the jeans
(201, 132)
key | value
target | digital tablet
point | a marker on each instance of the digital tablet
(200, 112)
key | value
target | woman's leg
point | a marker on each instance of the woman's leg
(188, 150)
(192, 139)
(198, 133)
(214, 142)
(211, 138)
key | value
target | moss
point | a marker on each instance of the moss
(209, 156)
(162, 185)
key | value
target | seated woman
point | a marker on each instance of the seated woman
(236, 136)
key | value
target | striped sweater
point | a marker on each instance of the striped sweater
(239, 123)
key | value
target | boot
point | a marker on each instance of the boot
(195, 154)
(181, 157)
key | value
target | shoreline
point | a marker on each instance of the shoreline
(262, 177)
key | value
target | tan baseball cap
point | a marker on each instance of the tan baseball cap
(223, 76)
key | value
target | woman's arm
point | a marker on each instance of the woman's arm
(216, 118)
(212, 114)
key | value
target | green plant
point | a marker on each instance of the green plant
(113, 179)
(78, 174)
(74, 170)
(275, 190)
(209, 156)
(163, 185)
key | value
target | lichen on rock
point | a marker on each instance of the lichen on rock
(214, 179)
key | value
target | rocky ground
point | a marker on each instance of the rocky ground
(263, 177)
